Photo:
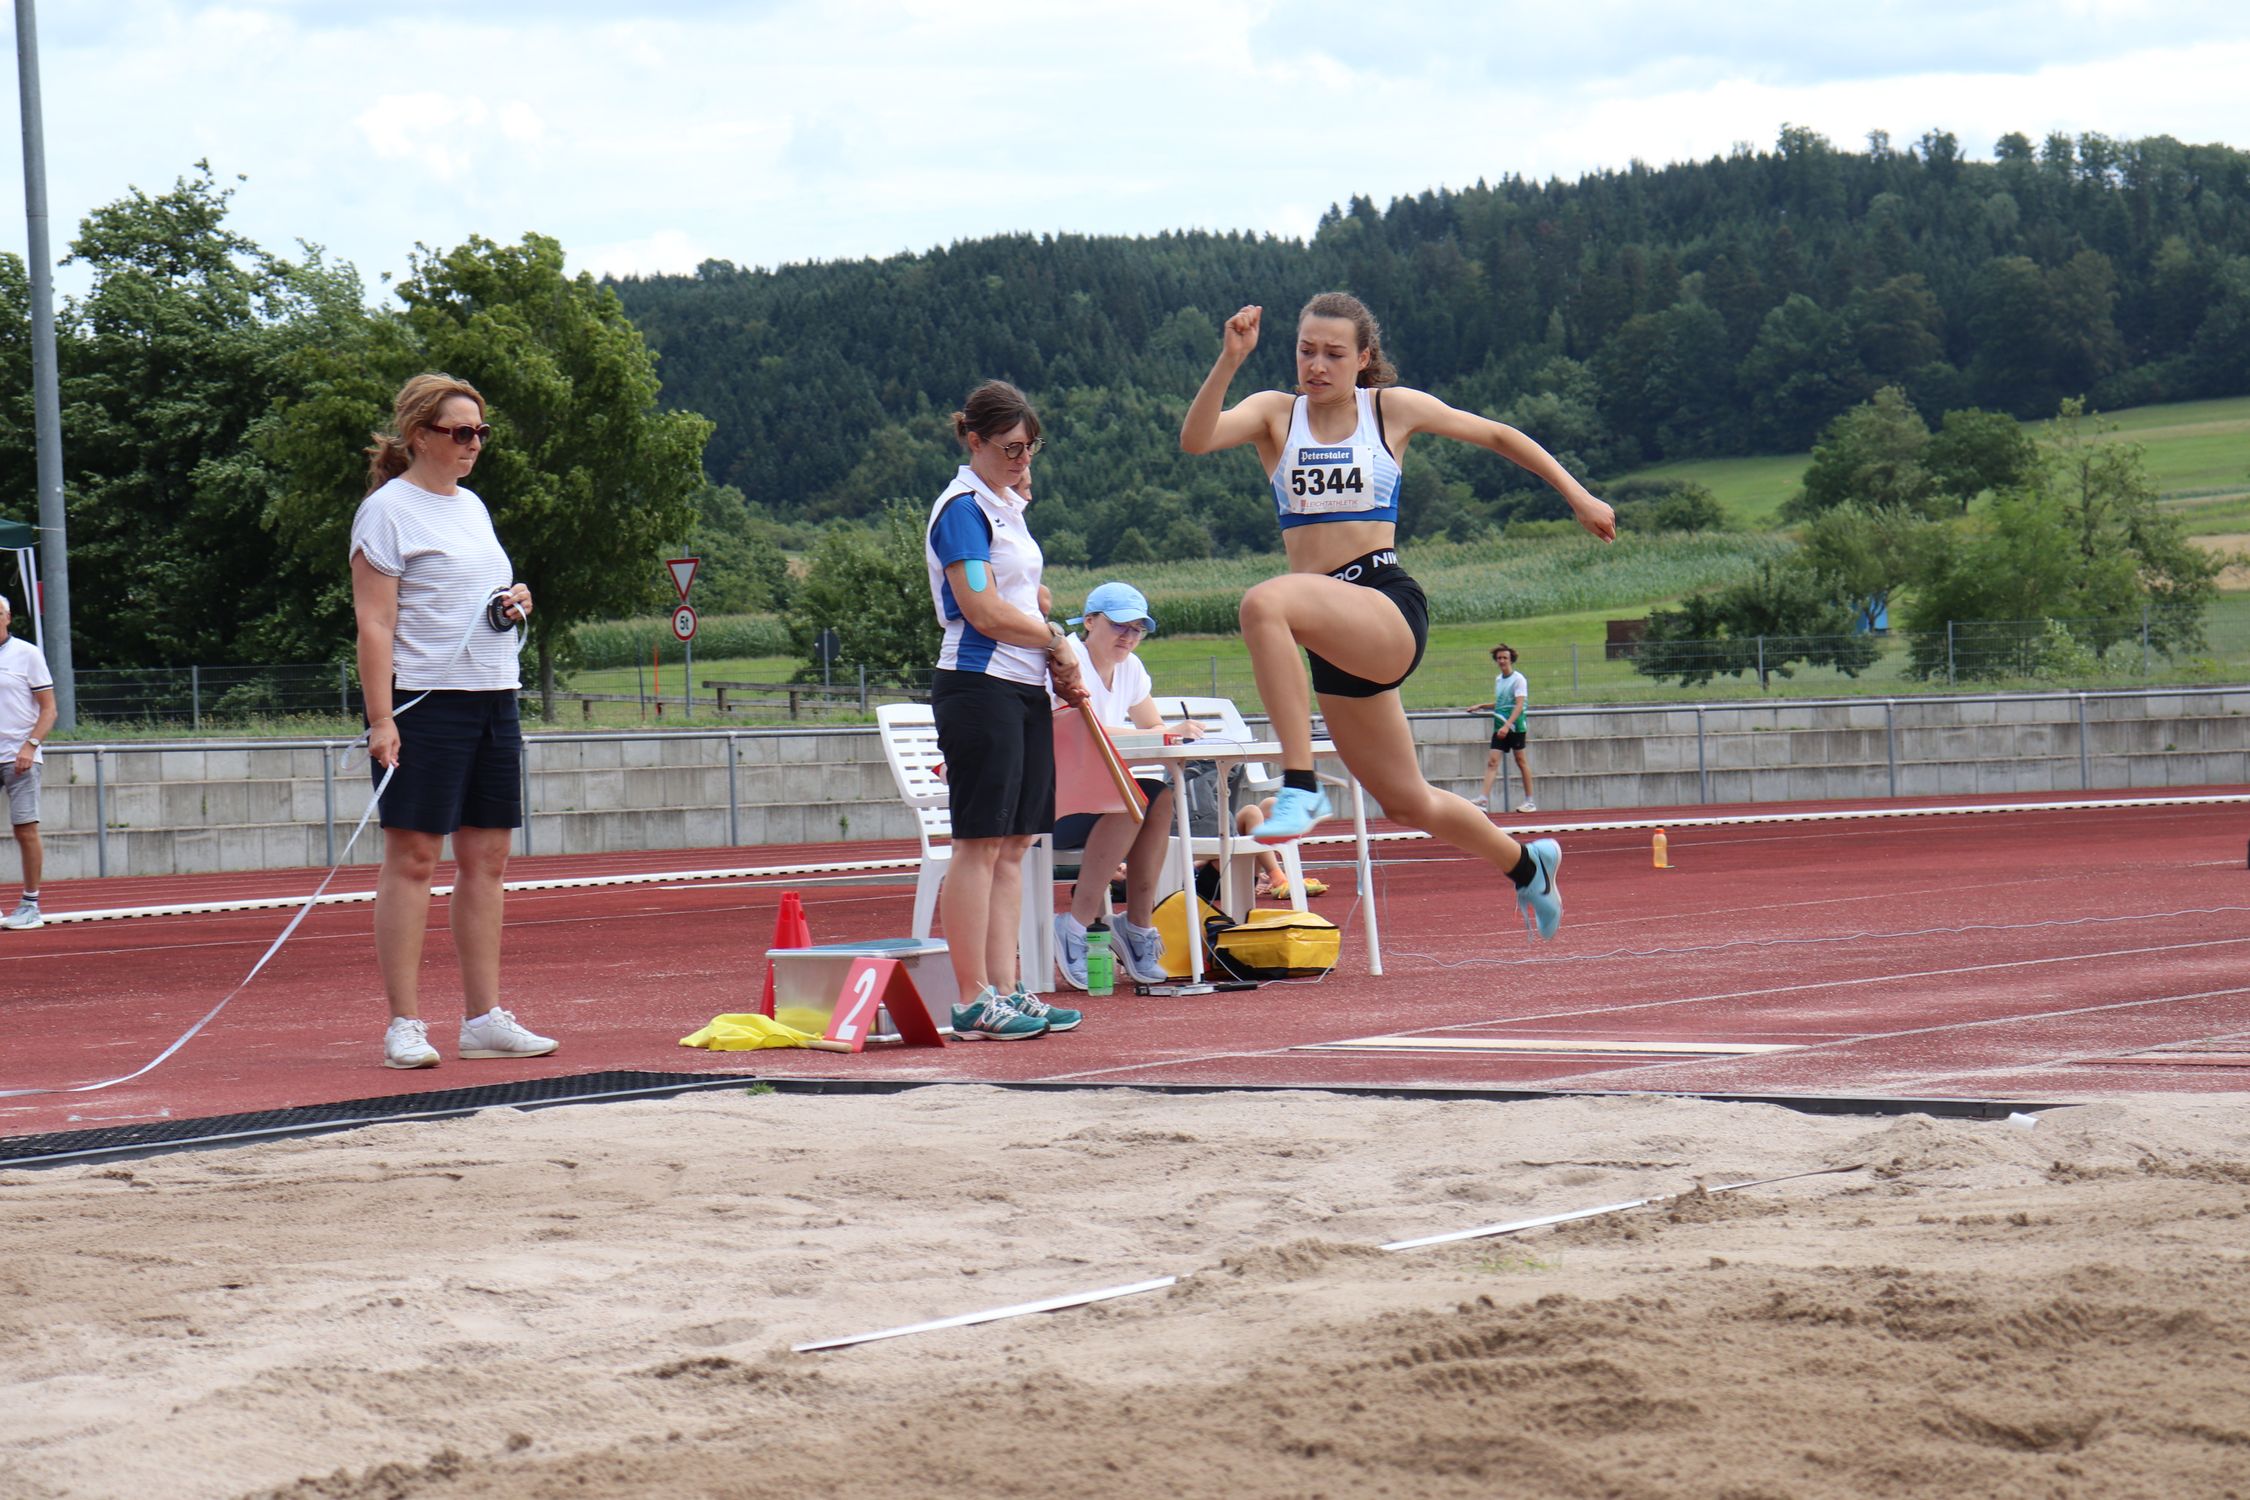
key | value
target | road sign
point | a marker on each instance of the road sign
(682, 570)
(683, 622)
(826, 648)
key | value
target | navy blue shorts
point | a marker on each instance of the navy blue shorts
(460, 763)
(998, 740)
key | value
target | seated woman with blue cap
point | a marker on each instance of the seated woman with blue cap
(1115, 621)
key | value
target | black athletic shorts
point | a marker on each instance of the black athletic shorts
(1512, 740)
(998, 740)
(1073, 829)
(1380, 571)
(460, 763)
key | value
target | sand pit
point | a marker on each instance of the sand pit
(599, 1301)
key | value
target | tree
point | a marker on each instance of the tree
(1862, 553)
(1975, 451)
(1872, 456)
(589, 483)
(743, 569)
(2081, 541)
(1802, 372)
(1767, 624)
(871, 585)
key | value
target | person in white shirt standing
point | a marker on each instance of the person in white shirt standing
(438, 610)
(1511, 701)
(27, 712)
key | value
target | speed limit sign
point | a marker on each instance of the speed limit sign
(683, 622)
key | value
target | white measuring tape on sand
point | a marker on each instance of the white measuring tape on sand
(374, 801)
(1132, 1289)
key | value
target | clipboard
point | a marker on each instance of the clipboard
(1090, 776)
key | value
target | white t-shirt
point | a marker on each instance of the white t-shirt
(1113, 705)
(447, 560)
(23, 671)
(1506, 689)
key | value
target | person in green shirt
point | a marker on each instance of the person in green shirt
(1511, 698)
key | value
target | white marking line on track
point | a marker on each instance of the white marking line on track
(1646, 1005)
(1986, 1022)
(1427, 1043)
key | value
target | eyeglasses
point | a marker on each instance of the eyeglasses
(1134, 628)
(1014, 451)
(465, 434)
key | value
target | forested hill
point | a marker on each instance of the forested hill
(1725, 306)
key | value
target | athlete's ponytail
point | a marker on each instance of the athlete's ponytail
(1370, 336)
(993, 408)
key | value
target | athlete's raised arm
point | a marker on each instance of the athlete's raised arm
(1406, 412)
(1210, 425)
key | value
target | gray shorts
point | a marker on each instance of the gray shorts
(23, 793)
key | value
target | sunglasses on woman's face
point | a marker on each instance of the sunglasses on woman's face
(465, 434)
(1014, 451)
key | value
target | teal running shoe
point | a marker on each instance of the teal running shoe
(991, 1018)
(1541, 901)
(1296, 812)
(1057, 1017)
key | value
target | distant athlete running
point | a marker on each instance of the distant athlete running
(1333, 452)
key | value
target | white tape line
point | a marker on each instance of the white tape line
(994, 1315)
(1517, 1226)
(1427, 1043)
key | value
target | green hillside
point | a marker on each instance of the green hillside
(2198, 452)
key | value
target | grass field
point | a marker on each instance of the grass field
(2198, 454)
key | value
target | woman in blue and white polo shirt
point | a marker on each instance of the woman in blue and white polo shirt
(988, 695)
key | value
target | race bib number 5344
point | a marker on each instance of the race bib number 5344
(1326, 479)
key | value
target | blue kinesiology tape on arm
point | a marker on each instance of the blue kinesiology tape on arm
(979, 576)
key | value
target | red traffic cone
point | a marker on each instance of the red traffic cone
(790, 930)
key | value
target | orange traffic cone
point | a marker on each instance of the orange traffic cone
(790, 930)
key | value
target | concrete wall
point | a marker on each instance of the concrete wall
(182, 808)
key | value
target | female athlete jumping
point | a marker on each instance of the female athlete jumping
(1333, 452)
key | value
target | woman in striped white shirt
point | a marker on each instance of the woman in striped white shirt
(438, 607)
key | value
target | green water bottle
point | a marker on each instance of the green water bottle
(1101, 964)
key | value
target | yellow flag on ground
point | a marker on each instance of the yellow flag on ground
(747, 1033)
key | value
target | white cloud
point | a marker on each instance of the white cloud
(802, 129)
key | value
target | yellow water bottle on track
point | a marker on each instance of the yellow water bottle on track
(1660, 845)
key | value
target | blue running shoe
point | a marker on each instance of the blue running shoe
(1070, 950)
(1541, 901)
(1057, 1017)
(1296, 812)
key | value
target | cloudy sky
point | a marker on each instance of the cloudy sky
(770, 131)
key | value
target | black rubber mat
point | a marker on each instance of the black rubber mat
(166, 1135)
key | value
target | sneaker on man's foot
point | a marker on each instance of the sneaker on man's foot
(497, 1033)
(990, 1018)
(1295, 813)
(1527, 805)
(1070, 950)
(1140, 952)
(24, 917)
(1057, 1017)
(1541, 902)
(407, 1044)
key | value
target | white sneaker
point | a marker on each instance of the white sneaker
(497, 1033)
(24, 917)
(407, 1044)
(1527, 805)
(1140, 952)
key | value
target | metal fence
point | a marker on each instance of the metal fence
(2152, 647)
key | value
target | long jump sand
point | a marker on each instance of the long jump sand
(599, 1301)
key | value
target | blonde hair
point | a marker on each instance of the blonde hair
(415, 410)
(1369, 334)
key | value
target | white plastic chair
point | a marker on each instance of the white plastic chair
(910, 746)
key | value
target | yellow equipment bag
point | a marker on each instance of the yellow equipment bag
(1277, 943)
(1171, 921)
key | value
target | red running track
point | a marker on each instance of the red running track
(2025, 955)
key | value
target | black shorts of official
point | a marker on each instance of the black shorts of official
(1073, 829)
(1380, 571)
(1512, 740)
(998, 740)
(460, 763)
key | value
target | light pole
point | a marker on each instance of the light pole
(46, 397)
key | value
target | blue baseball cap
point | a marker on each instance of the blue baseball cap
(1120, 604)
